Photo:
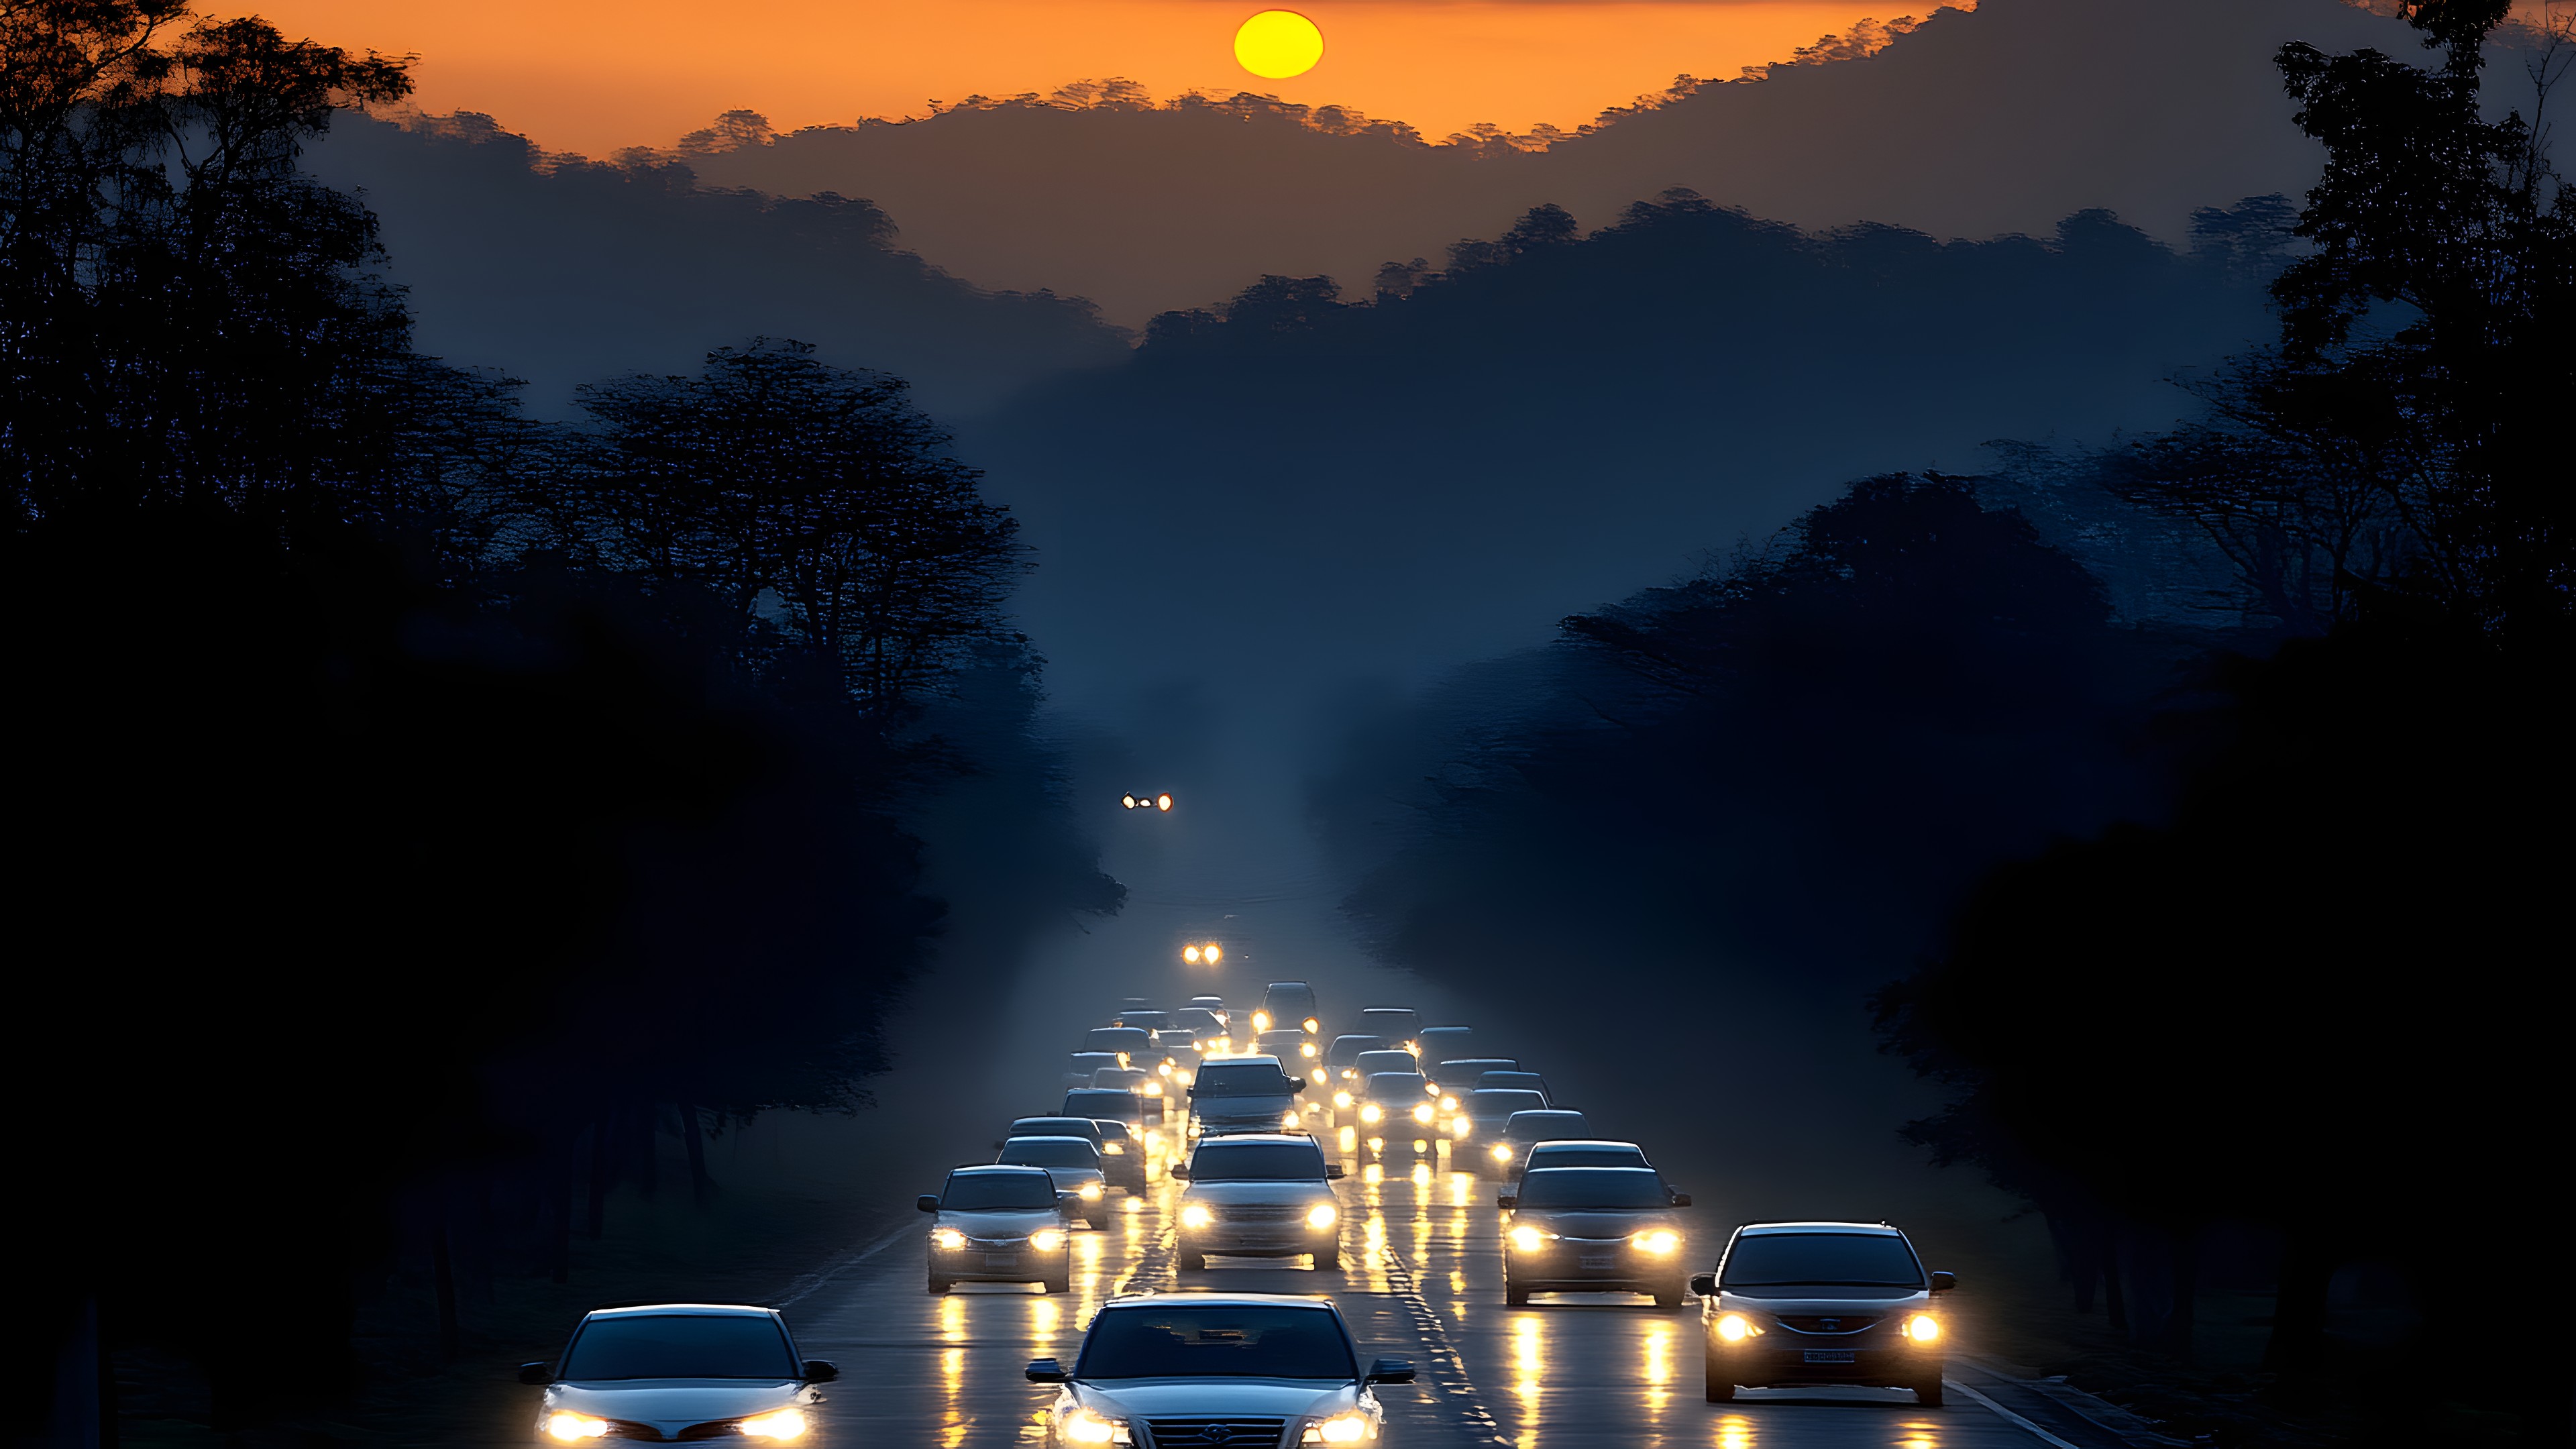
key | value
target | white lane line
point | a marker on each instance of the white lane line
(806, 1284)
(2009, 1417)
(1446, 1371)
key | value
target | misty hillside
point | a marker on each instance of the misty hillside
(1974, 125)
(1299, 488)
(565, 272)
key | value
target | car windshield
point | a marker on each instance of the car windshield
(680, 1346)
(1049, 1152)
(1853, 1260)
(1245, 1079)
(1395, 1086)
(1585, 1157)
(993, 1192)
(1257, 1162)
(1053, 1127)
(1253, 1341)
(1608, 1189)
(1125, 1106)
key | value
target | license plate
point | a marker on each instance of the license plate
(1596, 1260)
(1012, 1260)
(1829, 1355)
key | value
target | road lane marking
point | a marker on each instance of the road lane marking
(806, 1284)
(1446, 1370)
(2009, 1417)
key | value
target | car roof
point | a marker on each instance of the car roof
(994, 1169)
(1875, 1230)
(693, 1310)
(1382, 1076)
(1592, 1142)
(1297, 1138)
(1045, 1137)
(1225, 1300)
(1541, 1116)
(1057, 1116)
(1242, 1061)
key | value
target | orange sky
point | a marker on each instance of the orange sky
(595, 75)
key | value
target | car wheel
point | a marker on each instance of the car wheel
(938, 1285)
(1668, 1298)
(1514, 1294)
(1928, 1393)
(1193, 1262)
(1329, 1260)
(1720, 1391)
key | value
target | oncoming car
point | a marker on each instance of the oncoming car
(1595, 1152)
(999, 1224)
(1822, 1303)
(1525, 1130)
(1592, 1229)
(1341, 1059)
(1288, 1003)
(1074, 1163)
(680, 1371)
(1244, 1094)
(1263, 1197)
(1199, 1370)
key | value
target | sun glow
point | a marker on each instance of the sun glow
(1277, 44)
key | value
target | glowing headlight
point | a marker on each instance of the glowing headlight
(1165, 1069)
(1923, 1328)
(1184, 1078)
(1502, 1152)
(1153, 1089)
(1448, 1104)
(785, 1424)
(1661, 1240)
(1085, 1427)
(1196, 1215)
(1089, 1192)
(1324, 1215)
(948, 1238)
(1260, 1022)
(1339, 1429)
(1306, 1049)
(1047, 1240)
(1734, 1327)
(571, 1427)
(1459, 1127)
(1424, 1111)
(1114, 1149)
(1318, 1075)
(1342, 1100)
(1372, 1113)
(1311, 1025)
(1529, 1239)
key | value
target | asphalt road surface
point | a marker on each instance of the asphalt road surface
(1421, 1279)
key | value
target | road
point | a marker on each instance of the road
(1421, 1279)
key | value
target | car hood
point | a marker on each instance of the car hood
(1569, 1224)
(1257, 1192)
(1825, 1298)
(1002, 1224)
(671, 1405)
(1152, 1398)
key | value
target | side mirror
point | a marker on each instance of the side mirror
(1507, 1200)
(1681, 1199)
(821, 1371)
(1295, 1084)
(1390, 1371)
(927, 1202)
(1944, 1282)
(1045, 1371)
(1178, 1172)
(1704, 1284)
(537, 1373)
(1332, 1171)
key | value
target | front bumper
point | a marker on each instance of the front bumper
(1000, 1263)
(1884, 1362)
(1585, 1265)
(1231, 1238)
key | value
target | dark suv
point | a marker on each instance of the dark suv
(1822, 1303)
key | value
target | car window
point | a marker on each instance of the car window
(1123, 1105)
(1398, 1087)
(1257, 1162)
(990, 1192)
(1049, 1152)
(1611, 1189)
(1859, 1260)
(680, 1346)
(1241, 1079)
(1053, 1127)
(1585, 1157)
(1216, 1341)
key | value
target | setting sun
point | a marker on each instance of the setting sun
(1277, 44)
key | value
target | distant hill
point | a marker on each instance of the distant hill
(568, 273)
(1974, 125)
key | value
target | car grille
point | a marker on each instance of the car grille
(720, 1429)
(1828, 1323)
(1216, 1433)
(1258, 1212)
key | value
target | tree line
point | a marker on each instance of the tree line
(424, 811)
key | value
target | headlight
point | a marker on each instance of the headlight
(1288, 1118)
(1529, 1239)
(1448, 1104)
(1424, 1111)
(1325, 1214)
(1260, 1022)
(1372, 1113)
(1165, 1069)
(1184, 1078)
(948, 1238)
(1339, 1429)
(1661, 1240)
(1459, 1127)
(570, 1427)
(1318, 1075)
(1502, 1152)
(1085, 1427)
(1923, 1328)
(785, 1424)
(1114, 1149)
(1196, 1215)
(1047, 1240)
(1734, 1327)
(1089, 1192)
(1306, 1049)
(1312, 1026)
(1153, 1089)
(1342, 1100)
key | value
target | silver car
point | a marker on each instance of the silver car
(1200, 1370)
(680, 1371)
(1267, 1196)
(1593, 1230)
(998, 1225)
(1822, 1303)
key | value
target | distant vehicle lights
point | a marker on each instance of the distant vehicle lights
(1203, 952)
(1161, 802)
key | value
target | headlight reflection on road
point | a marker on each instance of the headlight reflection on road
(952, 1319)
(1529, 1364)
(1735, 1432)
(1919, 1435)
(952, 1384)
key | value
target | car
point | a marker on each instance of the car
(1128, 1079)
(1434, 1043)
(1001, 1224)
(1286, 1043)
(1365, 1066)
(1342, 1057)
(1074, 1163)
(1822, 1303)
(1394, 1103)
(1122, 1156)
(1205, 1025)
(1459, 1074)
(1397, 1024)
(1171, 1369)
(1263, 1196)
(1079, 1066)
(1288, 1003)
(1211, 1003)
(1594, 1152)
(1592, 1230)
(681, 1371)
(1149, 1020)
(1127, 1042)
(1519, 1081)
(1054, 1126)
(1127, 1004)
(1524, 1129)
(1111, 1104)
(1486, 1112)
(1244, 1094)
